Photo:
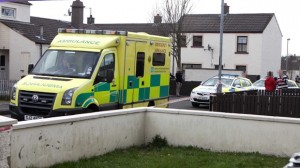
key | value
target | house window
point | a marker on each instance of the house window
(191, 66)
(158, 59)
(241, 67)
(8, 12)
(217, 67)
(242, 42)
(197, 41)
(183, 40)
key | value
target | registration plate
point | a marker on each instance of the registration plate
(29, 117)
(203, 98)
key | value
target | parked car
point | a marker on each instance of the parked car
(230, 83)
(260, 84)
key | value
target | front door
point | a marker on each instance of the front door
(3, 67)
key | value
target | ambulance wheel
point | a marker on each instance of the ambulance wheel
(91, 108)
(151, 103)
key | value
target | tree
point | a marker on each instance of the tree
(173, 13)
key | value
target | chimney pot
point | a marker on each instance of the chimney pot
(77, 14)
(226, 8)
(157, 19)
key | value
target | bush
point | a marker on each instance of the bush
(158, 142)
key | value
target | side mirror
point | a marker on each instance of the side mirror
(30, 67)
(109, 75)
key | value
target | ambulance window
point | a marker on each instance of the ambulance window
(140, 64)
(158, 59)
(107, 66)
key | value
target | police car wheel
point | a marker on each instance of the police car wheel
(195, 104)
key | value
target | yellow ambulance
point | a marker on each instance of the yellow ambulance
(94, 70)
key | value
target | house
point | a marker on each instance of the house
(291, 65)
(251, 43)
(23, 38)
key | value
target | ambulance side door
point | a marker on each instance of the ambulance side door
(106, 85)
(141, 82)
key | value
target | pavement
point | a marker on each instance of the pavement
(4, 105)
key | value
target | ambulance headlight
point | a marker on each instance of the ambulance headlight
(13, 92)
(67, 98)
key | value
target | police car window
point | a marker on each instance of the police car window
(210, 82)
(260, 83)
(236, 83)
(291, 84)
(244, 83)
(248, 83)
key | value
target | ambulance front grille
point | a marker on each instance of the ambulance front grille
(36, 103)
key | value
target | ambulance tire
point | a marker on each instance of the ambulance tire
(91, 108)
(151, 103)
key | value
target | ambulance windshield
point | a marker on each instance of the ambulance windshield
(76, 64)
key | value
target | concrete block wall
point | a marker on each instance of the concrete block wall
(42, 143)
(5, 141)
(225, 131)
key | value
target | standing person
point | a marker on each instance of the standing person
(297, 80)
(179, 81)
(282, 81)
(270, 83)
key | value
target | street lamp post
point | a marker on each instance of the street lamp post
(219, 88)
(287, 55)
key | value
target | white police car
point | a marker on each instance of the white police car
(230, 83)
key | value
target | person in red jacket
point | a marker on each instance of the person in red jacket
(270, 83)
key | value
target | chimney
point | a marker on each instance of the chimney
(226, 9)
(157, 19)
(77, 14)
(90, 20)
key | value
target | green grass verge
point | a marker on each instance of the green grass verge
(176, 157)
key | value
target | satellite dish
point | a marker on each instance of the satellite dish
(69, 12)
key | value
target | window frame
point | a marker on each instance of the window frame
(157, 63)
(191, 66)
(183, 40)
(140, 62)
(242, 48)
(104, 71)
(240, 68)
(199, 46)
(8, 8)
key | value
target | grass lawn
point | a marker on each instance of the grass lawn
(176, 157)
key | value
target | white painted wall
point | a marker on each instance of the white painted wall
(205, 74)
(22, 11)
(225, 131)
(4, 34)
(271, 48)
(208, 58)
(45, 142)
(5, 140)
(21, 48)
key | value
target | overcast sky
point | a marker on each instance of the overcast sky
(139, 11)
